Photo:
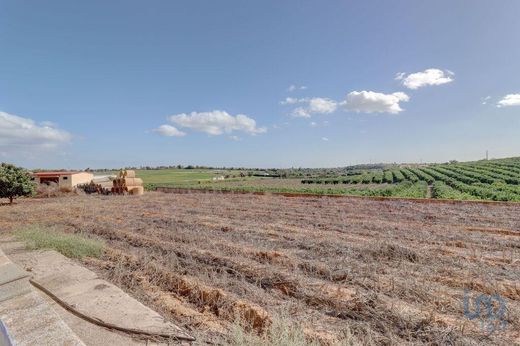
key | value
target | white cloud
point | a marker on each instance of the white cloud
(217, 122)
(169, 131)
(322, 105)
(293, 87)
(431, 76)
(16, 131)
(313, 124)
(290, 101)
(485, 100)
(325, 139)
(509, 100)
(373, 102)
(315, 105)
(300, 112)
(399, 75)
(235, 138)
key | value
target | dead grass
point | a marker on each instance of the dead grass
(281, 332)
(339, 271)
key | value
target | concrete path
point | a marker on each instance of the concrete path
(87, 293)
(28, 318)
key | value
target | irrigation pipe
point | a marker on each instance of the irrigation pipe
(101, 323)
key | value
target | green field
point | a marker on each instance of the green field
(175, 176)
(497, 180)
(181, 177)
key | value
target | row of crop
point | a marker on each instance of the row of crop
(463, 175)
(363, 178)
(388, 177)
(393, 176)
(418, 189)
(422, 175)
(475, 190)
(409, 175)
(397, 176)
(507, 173)
(496, 176)
(455, 174)
(501, 186)
(510, 171)
(405, 189)
(443, 191)
(466, 171)
(473, 175)
(324, 181)
(509, 166)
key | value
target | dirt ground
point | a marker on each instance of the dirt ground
(344, 269)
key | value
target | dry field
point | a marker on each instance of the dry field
(343, 269)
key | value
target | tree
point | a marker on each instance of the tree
(14, 182)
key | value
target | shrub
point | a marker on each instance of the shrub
(397, 176)
(15, 182)
(388, 177)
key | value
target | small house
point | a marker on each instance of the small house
(66, 181)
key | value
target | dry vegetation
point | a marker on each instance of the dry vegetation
(343, 270)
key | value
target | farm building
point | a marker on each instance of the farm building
(65, 180)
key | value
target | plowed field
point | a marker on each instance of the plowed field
(381, 272)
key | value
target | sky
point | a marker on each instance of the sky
(257, 83)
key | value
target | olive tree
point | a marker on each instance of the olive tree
(14, 182)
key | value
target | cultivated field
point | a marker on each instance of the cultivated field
(497, 180)
(341, 269)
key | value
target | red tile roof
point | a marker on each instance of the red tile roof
(47, 174)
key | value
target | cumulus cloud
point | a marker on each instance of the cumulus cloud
(485, 100)
(321, 105)
(431, 76)
(315, 105)
(16, 131)
(509, 100)
(373, 102)
(169, 131)
(217, 122)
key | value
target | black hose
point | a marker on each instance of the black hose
(101, 323)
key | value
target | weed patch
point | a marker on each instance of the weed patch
(70, 245)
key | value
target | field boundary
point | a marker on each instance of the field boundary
(186, 190)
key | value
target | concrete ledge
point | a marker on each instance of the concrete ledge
(13, 281)
(28, 318)
(92, 296)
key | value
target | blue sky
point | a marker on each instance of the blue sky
(257, 83)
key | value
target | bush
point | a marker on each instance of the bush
(388, 177)
(397, 176)
(15, 182)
